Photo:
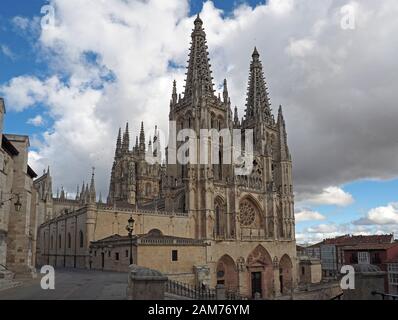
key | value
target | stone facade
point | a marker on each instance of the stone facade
(246, 221)
(18, 228)
(174, 257)
(310, 270)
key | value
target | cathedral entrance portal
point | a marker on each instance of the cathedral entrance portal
(256, 284)
(261, 273)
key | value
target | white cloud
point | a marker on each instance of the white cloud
(300, 48)
(329, 196)
(384, 215)
(21, 22)
(36, 121)
(7, 51)
(329, 85)
(307, 215)
(323, 228)
(330, 230)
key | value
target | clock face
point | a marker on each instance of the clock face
(247, 214)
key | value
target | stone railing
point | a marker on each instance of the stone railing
(171, 241)
(253, 234)
(143, 211)
(248, 182)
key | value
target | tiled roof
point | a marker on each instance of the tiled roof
(353, 240)
(371, 246)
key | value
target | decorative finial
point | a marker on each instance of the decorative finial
(255, 54)
(198, 22)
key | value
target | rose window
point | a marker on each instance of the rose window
(247, 214)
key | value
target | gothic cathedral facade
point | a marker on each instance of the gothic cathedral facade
(247, 219)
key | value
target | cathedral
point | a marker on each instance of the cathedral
(198, 223)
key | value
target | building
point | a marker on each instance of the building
(246, 221)
(18, 203)
(331, 251)
(310, 270)
(393, 276)
(175, 255)
(378, 254)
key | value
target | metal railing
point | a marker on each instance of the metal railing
(189, 291)
(385, 296)
(234, 295)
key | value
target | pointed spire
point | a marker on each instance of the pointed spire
(174, 94)
(126, 139)
(136, 144)
(150, 151)
(199, 82)
(77, 193)
(62, 193)
(280, 115)
(225, 92)
(93, 195)
(87, 194)
(100, 198)
(284, 149)
(257, 102)
(48, 170)
(255, 55)
(142, 137)
(119, 143)
(236, 117)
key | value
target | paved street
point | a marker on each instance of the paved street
(73, 285)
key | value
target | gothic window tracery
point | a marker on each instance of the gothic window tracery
(248, 213)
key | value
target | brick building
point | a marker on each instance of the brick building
(378, 254)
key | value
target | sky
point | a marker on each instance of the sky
(72, 83)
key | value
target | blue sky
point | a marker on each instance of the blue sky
(19, 56)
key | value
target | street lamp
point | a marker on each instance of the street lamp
(130, 229)
(17, 204)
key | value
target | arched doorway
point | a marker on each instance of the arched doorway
(261, 274)
(227, 273)
(285, 274)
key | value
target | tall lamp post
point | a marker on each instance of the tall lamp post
(130, 229)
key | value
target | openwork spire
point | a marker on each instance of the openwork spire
(119, 143)
(199, 82)
(126, 139)
(93, 195)
(257, 102)
(142, 137)
(285, 154)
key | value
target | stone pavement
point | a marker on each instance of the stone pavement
(73, 285)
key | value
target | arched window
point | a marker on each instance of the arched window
(69, 241)
(81, 239)
(218, 221)
(59, 242)
(52, 242)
